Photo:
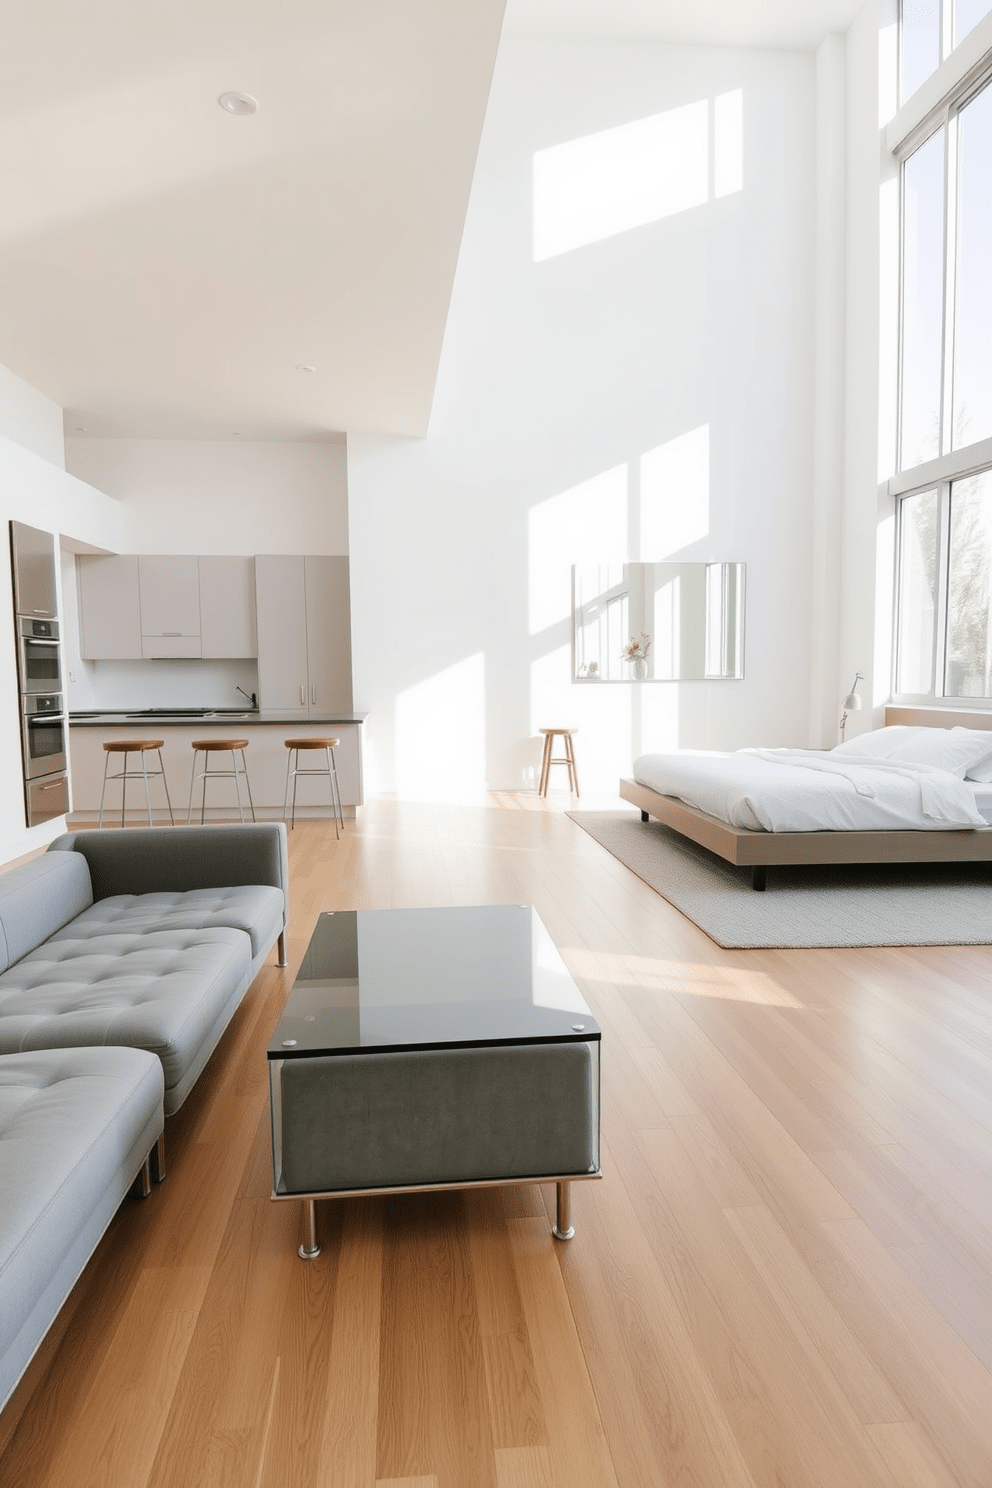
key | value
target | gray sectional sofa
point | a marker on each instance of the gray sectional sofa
(123, 956)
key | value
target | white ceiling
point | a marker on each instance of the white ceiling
(166, 268)
(792, 24)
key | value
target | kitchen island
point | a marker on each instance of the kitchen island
(265, 757)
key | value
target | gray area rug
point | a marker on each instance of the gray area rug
(867, 904)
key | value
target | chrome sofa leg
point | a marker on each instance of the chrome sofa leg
(309, 1249)
(157, 1156)
(145, 1177)
(281, 958)
(563, 1229)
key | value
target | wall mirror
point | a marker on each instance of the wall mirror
(657, 622)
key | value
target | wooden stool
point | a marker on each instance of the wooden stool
(548, 759)
(140, 747)
(293, 771)
(207, 747)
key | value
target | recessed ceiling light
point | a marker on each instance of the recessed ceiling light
(238, 103)
(82, 429)
(304, 367)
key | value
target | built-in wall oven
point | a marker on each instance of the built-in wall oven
(38, 655)
(43, 734)
(44, 737)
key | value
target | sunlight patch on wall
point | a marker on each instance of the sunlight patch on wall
(576, 526)
(593, 188)
(675, 494)
(441, 734)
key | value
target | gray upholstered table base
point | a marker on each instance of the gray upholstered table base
(434, 1118)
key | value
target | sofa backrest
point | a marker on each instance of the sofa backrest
(162, 860)
(39, 897)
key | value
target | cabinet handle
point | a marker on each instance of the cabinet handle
(303, 695)
(313, 692)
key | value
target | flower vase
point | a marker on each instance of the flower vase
(638, 669)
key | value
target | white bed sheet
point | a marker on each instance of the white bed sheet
(806, 790)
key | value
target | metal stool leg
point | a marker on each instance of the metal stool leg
(192, 787)
(332, 775)
(237, 783)
(165, 783)
(148, 799)
(244, 769)
(296, 781)
(106, 767)
(285, 801)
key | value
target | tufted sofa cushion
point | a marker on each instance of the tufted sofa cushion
(75, 1126)
(257, 909)
(37, 898)
(170, 992)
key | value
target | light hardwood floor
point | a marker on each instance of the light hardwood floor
(783, 1280)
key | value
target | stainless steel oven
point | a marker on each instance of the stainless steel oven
(39, 661)
(43, 728)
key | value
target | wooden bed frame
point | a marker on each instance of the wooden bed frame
(760, 851)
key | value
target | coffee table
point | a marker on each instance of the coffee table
(432, 1049)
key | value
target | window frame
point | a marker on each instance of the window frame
(950, 465)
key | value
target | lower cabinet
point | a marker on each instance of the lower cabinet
(265, 757)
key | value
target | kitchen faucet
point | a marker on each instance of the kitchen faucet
(249, 695)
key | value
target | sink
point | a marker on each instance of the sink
(227, 713)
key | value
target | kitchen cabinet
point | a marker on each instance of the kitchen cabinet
(109, 608)
(303, 609)
(169, 595)
(227, 607)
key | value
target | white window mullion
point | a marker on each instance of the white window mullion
(943, 572)
(950, 281)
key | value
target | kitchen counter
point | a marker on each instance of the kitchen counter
(149, 717)
(265, 758)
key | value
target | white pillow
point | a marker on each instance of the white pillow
(960, 751)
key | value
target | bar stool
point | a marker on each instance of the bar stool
(548, 759)
(207, 747)
(140, 747)
(293, 772)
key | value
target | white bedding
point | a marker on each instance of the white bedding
(807, 790)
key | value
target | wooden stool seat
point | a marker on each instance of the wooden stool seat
(330, 769)
(125, 746)
(548, 758)
(140, 747)
(237, 772)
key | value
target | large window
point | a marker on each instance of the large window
(930, 31)
(944, 444)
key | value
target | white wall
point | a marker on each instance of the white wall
(657, 382)
(31, 419)
(221, 496)
(39, 492)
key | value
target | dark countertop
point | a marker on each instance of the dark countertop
(208, 716)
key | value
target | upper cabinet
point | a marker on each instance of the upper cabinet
(169, 599)
(109, 608)
(227, 607)
(162, 607)
(304, 634)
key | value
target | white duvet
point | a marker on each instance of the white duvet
(806, 790)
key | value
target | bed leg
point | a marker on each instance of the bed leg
(758, 878)
(644, 816)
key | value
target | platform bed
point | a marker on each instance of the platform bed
(760, 851)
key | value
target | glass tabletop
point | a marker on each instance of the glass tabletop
(430, 978)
